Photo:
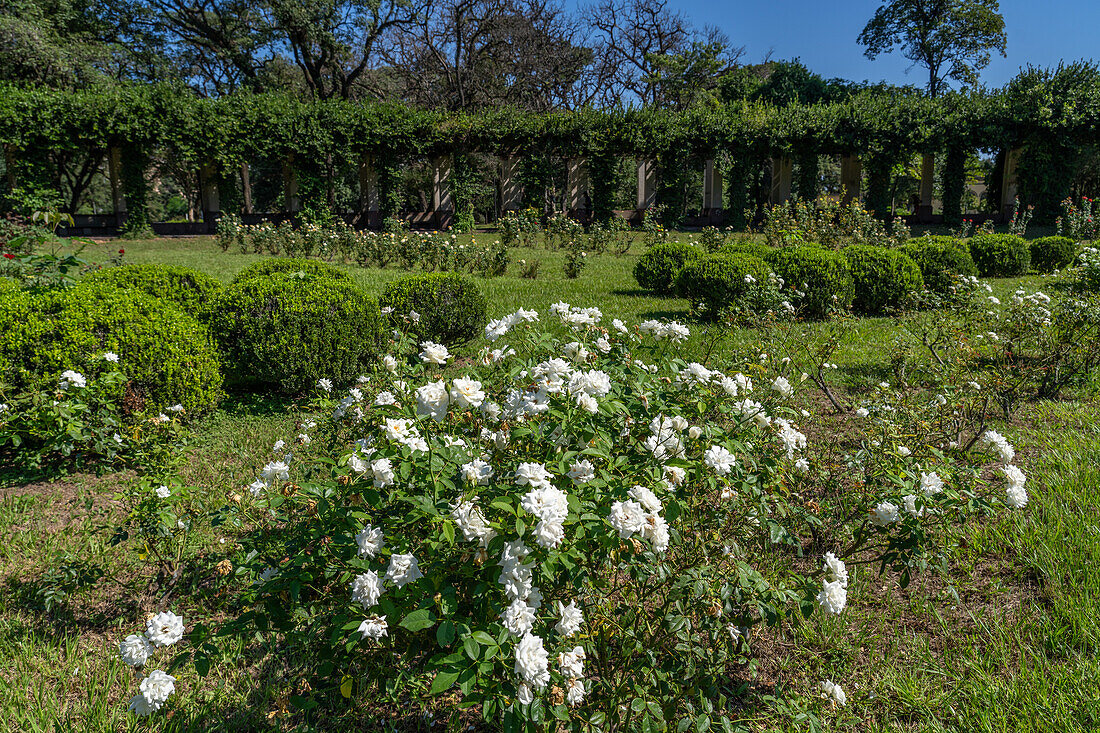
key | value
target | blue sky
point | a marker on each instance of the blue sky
(823, 34)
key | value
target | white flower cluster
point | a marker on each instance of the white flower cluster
(69, 378)
(833, 596)
(1016, 494)
(641, 514)
(500, 327)
(576, 318)
(161, 630)
(660, 330)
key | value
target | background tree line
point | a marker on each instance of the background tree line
(457, 54)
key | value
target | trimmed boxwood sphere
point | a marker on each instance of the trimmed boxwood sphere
(656, 269)
(1051, 253)
(1000, 255)
(716, 282)
(882, 277)
(940, 260)
(291, 329)
(452, 308)
(821, 274)
(275, 265)
(166, 354)
(190, 290)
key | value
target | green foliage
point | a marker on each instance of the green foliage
(716, 283)
(165, 353)
(292, 328)
(883, 278)
(940, 260)
(953, 40)
(189, 289)
(451, 307)
(656, 269)
(284, 265)
(822, 276)
(828, 223)
(751, 247)
(1051, 253)
(133, 163)
(1000, 255)
(81, 421)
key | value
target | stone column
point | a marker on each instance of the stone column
(443, 204)
(291, 202)
(114, 165)
(712, 188)
(647, 183)
(1009, 184)
(511, 190)
(368, 187)
(577, 186)
(246, 187)
(208, 194)
(781, 181)
(851, 175)
(927, 174)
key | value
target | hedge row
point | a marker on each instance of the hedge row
(282, 324)
(884, 124)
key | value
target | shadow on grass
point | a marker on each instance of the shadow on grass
(640, 293)
(241, 402)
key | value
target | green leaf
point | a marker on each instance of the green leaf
(421, 618)
(443, 682)
(482, 637)
(445, 634)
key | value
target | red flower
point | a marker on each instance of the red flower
(122, 251)
(9, 255)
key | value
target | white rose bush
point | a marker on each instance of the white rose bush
(576, 526)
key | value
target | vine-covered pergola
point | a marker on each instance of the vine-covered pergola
(1033, 121)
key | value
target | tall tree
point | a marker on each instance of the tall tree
(236, 43)
(467, 54)
(77, 43)
(952, 39)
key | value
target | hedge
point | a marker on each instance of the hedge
(717, 282)
(289, 330)
(189, 289)
(822, 275)
(167, 355)
(656, 269)
(883, 278)
(451, 307)
(1000, 255)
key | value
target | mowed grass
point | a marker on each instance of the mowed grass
(1005, 637)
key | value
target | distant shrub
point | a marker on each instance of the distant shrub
(451, 307)
(274, 265)
(941, 260)
(166, 355)
(755, 249)
(291, 329)
(882, 277)
(821, 274)
(1051, 253)
(189, 289)
(656, 269)
(716, 283)
(1000, 255)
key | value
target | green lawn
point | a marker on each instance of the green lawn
(1006, 637)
